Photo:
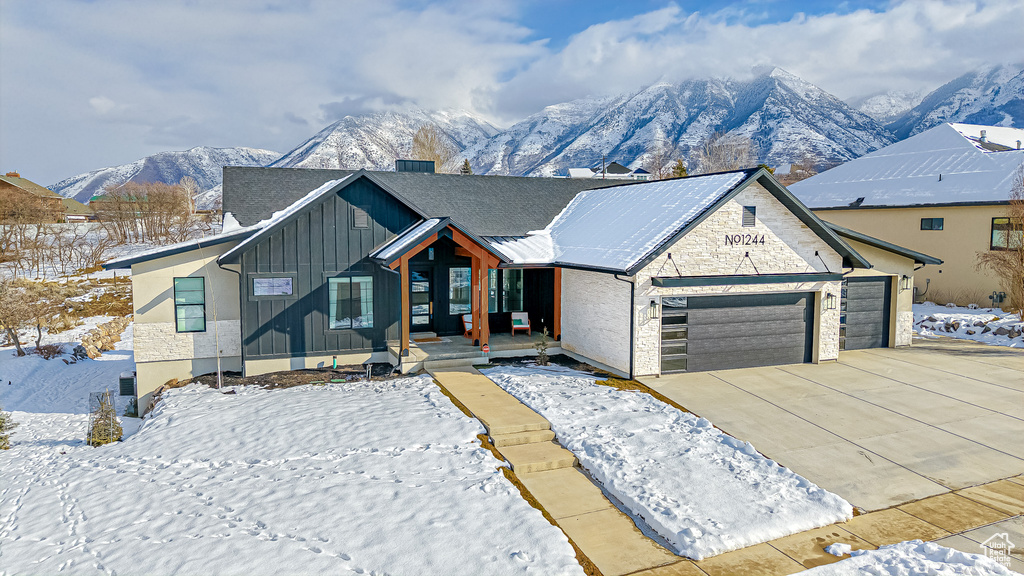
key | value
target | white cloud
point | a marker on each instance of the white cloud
(107, 82)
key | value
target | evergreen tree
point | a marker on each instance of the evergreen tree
(7, 424)
(678, 170)
(466, 170)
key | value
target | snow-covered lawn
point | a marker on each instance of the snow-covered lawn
(367, 478)
(912, 558)
(988, 325)
(701, 490)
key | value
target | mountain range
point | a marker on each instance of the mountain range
(786, 118)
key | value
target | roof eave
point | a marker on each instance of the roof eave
(918, 257)
(128, 262)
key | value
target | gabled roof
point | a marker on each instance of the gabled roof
(72, 206)
(30, 186)
(394, 249)
(484, 205)
(917, 257)
(943, 165)
(622, 229)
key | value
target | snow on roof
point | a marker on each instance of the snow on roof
(533, 249)
(282, 215)
(404, 240)
(1002, 135)
(939, 166)
(581, 173)
(614, 228)
(161, 251)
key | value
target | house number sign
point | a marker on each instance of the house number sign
(744, 239)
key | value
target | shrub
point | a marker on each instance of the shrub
(542, 349)
(49, 351)
(7, 424)
(104, 427)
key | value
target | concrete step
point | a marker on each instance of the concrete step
(518, 438)
(526, 458)
(431, 363)
(413, 336)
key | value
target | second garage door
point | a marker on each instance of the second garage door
(864, 320)
(721, 332)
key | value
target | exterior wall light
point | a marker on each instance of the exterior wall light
(652, 309)
(830, 301)
(905, 283)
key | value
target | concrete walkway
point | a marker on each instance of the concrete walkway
(880, 427)
(607, 537)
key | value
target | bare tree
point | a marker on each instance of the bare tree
(190, 190)
(659, 157)
(1007, 262)
(151, 212)
(14, 312)
(721, 152)
(431, 143)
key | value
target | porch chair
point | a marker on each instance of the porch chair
(467, 325)
(521, 321)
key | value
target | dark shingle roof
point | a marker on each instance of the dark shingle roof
(485, 205)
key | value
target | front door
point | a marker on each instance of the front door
(421, 300)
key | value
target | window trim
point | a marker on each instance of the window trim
(174, 300)
(249, 289)
(992, 230)
(931, 224)
(469, 289)
(328, 276)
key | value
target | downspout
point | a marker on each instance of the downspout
(242, 291)
(632, 320)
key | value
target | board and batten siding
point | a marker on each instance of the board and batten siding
(318, 243)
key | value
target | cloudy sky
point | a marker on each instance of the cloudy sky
(88, 84)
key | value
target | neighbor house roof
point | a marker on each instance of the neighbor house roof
(917, 257)
(484, 205)
(72, 206)
(29, 186)
(944, 165)
(622, 229)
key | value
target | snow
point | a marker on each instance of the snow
(238, 232)
(403, 241)
(616, 227)
(932, 320)
(908, 173)
(701, 490)
(357, 478)
(533, 249)
(911, 558)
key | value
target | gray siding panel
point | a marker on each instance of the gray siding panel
(867, 312)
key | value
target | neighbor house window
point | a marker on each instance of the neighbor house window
(458, 291)
(1007, 233)
(272, 286)
(351, 302)
(492, 290)
(931, 223)
(512, 290)
(749, 215)
(190, 304)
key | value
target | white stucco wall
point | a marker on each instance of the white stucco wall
(595, 317)
(789, 247)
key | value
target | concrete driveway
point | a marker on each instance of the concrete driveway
(879, 427)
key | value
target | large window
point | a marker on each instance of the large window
(190, 304)
(351, 302)
(458, 291)
(1007, 233)
(931, 223)
(512, 290)
(272, 286)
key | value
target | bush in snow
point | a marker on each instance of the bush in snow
(542, 348)
(49, 351)
(7, 424)
(104, 427)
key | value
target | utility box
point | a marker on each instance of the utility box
(126, 384)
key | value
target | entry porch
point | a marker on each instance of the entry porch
(428, 350)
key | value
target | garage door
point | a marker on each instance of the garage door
(721, 332)
(864, 317)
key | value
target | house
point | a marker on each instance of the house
(317, 267)
(24, 198)
(612, 171)
(944, 191)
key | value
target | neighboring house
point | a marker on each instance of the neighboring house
(613, 171)
(321, 266)
(75, 211)
(24, 198)
(944, 191)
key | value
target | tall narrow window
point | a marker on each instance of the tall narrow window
(351, 302)
(190, 304)
(512, 290)
(492, 290)
(749, 215)
(458, 291)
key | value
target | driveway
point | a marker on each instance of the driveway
(879, 427)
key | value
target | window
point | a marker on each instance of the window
(360, 217)
(512, 290)
(749, 215)
(350, 302)
(271, 286)
(931, 223)
(1007, 233)
(458, 291)
(492, 290)
(190, 304)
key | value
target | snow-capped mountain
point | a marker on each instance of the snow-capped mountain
(887, 106)
(786, 117)
(374, 141)
(202, 163)
(992, 95)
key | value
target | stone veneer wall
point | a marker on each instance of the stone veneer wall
(160, 341)
(789, 247)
